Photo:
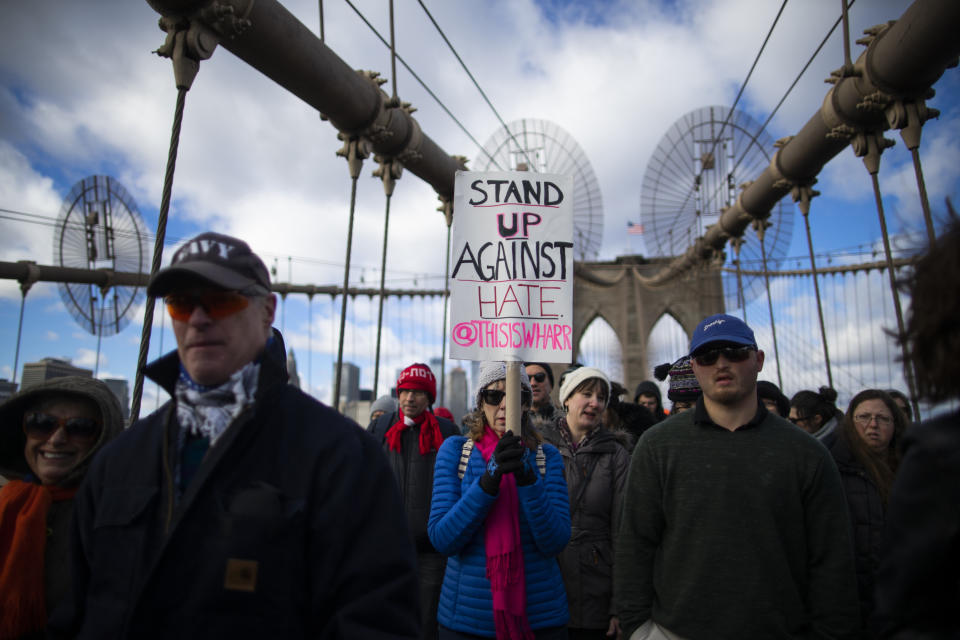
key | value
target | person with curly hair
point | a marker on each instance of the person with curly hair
(918, 582)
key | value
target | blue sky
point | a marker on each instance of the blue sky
(82, 94)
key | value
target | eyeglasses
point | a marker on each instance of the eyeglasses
(798, 419)
(539, 377)
(732, 354)
(867, 418)
(217, 304)
(494, 397)
(43, 425)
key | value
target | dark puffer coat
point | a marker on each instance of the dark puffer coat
(414, 473)
(596, 473)
(867, 517)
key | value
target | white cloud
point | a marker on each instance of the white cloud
(88, 358)
(257, 162)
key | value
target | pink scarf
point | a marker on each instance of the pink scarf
(504, 554)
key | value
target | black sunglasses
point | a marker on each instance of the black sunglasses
(539, 377)
(42, 425)
(732, 354)
(494, 397)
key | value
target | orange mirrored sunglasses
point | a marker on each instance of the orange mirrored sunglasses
(216, 304)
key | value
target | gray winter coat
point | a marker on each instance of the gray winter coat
(596, 473)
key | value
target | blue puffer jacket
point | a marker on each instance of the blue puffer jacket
(457, 515)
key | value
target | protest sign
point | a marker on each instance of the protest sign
(511, 267)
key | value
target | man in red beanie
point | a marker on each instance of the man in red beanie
(411, 437)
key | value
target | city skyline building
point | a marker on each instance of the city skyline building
(120, 388)
(36, 372)
(349, 382)
(457, 393)
(293, 376)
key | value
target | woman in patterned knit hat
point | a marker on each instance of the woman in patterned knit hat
(684, 388)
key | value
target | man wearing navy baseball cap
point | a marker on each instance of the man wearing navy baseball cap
(734, 522)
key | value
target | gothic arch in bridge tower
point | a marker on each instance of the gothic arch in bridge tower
(618, 292)
(600, 345)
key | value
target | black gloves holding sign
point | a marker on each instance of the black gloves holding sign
(509, 456)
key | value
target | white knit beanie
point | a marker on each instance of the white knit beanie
(493, 370)
(573, 379)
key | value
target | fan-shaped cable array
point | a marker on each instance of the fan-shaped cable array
(552, 150)
(99, 227)
(696, 172)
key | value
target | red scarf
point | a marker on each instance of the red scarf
(505, 554)
(430, 436)
(23, 539)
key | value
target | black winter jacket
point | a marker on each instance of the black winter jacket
(596, 473)
(414, 474)
(290, 528)
(867, 516)
(918, 584)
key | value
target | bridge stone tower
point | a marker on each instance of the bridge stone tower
(621, 293)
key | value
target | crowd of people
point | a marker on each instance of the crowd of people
(245, 508)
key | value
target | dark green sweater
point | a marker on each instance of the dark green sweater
(735, 534)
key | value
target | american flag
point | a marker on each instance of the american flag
(636, 229)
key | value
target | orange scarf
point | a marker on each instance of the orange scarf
(23, 539)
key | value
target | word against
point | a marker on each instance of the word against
(519, 260)
(487, 334)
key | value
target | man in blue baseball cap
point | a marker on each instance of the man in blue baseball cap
(734, 522)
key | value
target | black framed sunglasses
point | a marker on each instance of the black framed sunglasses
(494, 397)
(43, 425)
(732, 354)
(539, 377)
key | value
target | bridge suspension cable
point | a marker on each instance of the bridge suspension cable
(793, 84)
(530, 164)
(736, 101)
(423, 84)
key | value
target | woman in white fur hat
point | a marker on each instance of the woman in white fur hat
(499, 511)
(595, 466)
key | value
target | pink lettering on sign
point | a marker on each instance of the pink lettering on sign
(518, 300)
(487, 334)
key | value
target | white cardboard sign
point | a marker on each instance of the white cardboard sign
(511, 267)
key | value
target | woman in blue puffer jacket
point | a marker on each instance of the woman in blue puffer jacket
(501, 514)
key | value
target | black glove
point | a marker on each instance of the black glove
(507, 458)
(527, 475)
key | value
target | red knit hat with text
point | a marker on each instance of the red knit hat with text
(418, 377)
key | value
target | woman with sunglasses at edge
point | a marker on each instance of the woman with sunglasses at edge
(865, 451)
(816, 413)
(595, 465)
(48, 435)
(500, 513)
